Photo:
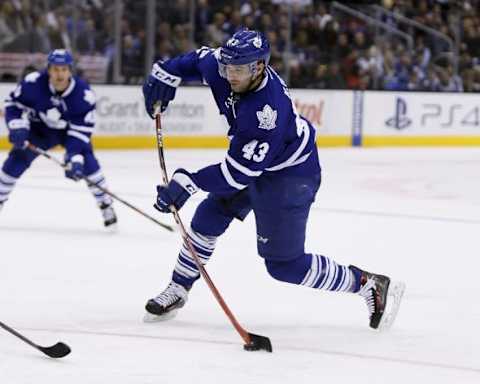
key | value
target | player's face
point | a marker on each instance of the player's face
(240, 77)
(59, 76)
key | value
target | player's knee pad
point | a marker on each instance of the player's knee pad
(292, 271)
(17, 162)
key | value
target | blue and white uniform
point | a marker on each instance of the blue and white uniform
(271, 167)
(266, 133)
(52, 118)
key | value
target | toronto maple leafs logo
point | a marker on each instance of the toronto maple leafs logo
(52, 118)
(257, 42)
(267, 118)
(233, 42)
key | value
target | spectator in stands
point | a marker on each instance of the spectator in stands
(58, 34)
(422, 52)
(202, 18)
(7, 32)
(299, 78)
(471, 37)
(320, 78)
(342, 48)
(351, 70)
(449, 81)
(360, 41)
(335, 79)
(87, 42)
(318, 36)
(322, 17)
(233, 24)
(164, 50)
(215, 33)
(430, 81)
(370, 64)
(133, 59)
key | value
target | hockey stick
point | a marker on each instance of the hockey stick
(252, 342)
(56, 351)
(46, 154)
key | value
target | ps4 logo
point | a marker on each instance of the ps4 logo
(400, 120)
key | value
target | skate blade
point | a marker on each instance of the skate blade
(395, 294)
(151, 318)
(112, 228)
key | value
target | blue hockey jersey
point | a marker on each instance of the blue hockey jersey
(266, 132)
(35, 104)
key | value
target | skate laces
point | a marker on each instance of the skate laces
(171, 294)
(367, 291)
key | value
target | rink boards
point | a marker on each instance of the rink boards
(342, 118)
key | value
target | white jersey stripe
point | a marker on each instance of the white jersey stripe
(239, 167)
(79, 136)
(229, 178)
(82, 128)
(303, 126)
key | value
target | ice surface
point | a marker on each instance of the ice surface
(411, 213)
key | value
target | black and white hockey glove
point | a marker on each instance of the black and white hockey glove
(176, 193)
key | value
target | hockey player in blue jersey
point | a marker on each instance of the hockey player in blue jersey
(51, 108)
(271, 168)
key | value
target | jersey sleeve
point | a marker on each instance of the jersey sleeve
(18, 104)
(82, 121)
(187, 66)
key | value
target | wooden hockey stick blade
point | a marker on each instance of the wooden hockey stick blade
(258, 343)
(56, 351)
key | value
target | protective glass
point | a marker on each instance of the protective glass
(237, 72)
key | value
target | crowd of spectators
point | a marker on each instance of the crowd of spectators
(328, 48)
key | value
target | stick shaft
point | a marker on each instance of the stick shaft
(242, 332)
(47, 155)
(20, 336)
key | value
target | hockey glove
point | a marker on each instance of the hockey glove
(18, 131)
(74, 166)
(176, 193)
(160, 86)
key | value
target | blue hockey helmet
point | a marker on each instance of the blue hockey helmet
(60, 57)
(245, 47)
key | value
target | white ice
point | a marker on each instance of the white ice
(413, 214)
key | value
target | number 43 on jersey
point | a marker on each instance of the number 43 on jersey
(255, 151)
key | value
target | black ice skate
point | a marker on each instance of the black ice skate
(109, 216)
(379, 291)
(166, 304)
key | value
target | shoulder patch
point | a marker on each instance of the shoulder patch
(89, 96)
(267, 118)
(203, 51)
(32, 77)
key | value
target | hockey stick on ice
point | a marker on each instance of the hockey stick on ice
(252, 342)
(46, 154)
(56, 351)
